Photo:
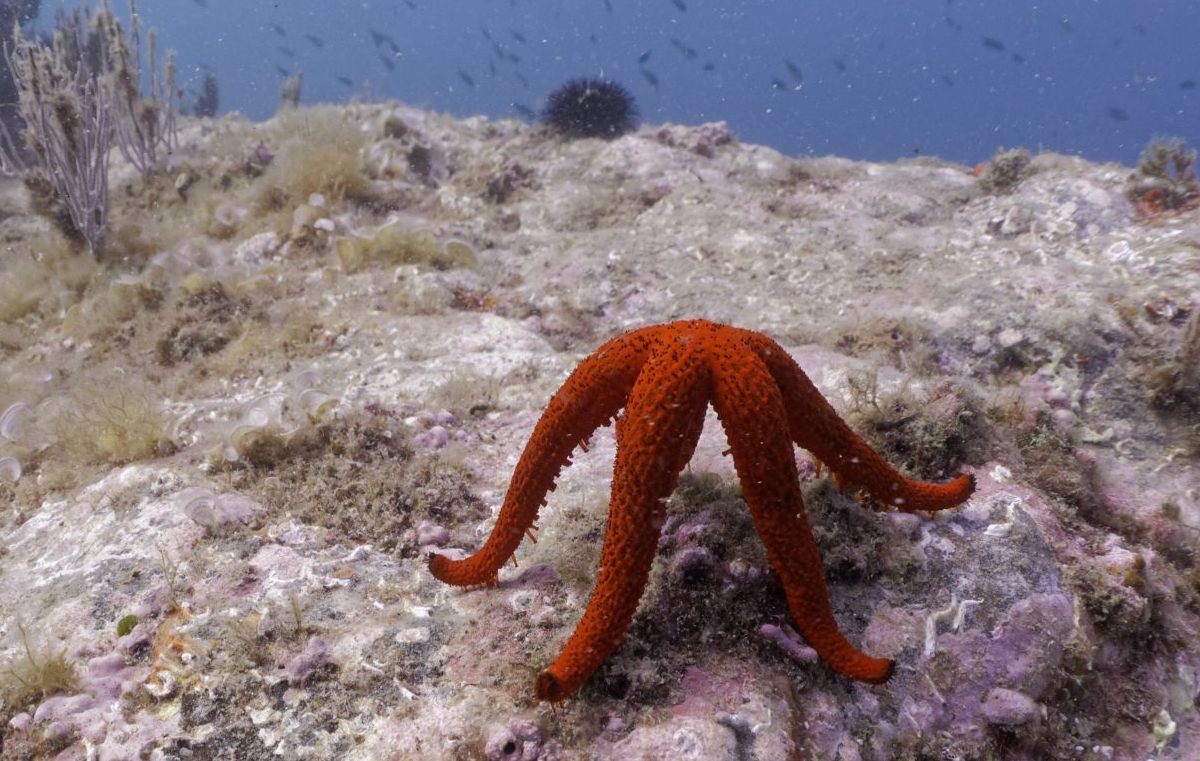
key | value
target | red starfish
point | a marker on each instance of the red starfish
(664, 376)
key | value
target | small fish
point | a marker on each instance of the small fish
(347, 81)
(492, 68)
(948, 80)
(201, 3)
(779, 84)
(410, 4)
(991, 43)
(282, 71)
(686, 50)
(512, 57)
(286, 51)
(608, 6)
(521, 78)
(839, 64)
(518, 36)
(387, 62)
(380, 39)
(644, 57)
(593, 38)
(466, 78)
(1118, 114)
(1187, 84)
(710, 66)
(279, 30)
(1140, 29)
(487, 35)
(650, 77)
(525, 111)
(794, 70)
(680, 5)
(1018, 58)
(1064, 24)
(316, 41)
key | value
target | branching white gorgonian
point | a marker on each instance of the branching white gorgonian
(79, 94)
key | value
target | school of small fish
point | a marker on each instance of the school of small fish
(504, 59)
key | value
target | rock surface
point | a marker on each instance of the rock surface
(250, 422)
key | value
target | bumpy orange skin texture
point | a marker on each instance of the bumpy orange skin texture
(665, 376)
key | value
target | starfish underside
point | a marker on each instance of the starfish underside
(664, 376)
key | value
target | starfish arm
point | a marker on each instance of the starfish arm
(591, 396)
(751, 410)
(655, 439)
(816, 426)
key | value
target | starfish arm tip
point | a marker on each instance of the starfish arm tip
(961, 487)
(438, 565)
(888, 673)
(869, 670)
(452, 572)
(550, 688)
(920, 495)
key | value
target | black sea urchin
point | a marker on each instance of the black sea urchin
(587, 107)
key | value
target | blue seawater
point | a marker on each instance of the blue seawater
(866, 79)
